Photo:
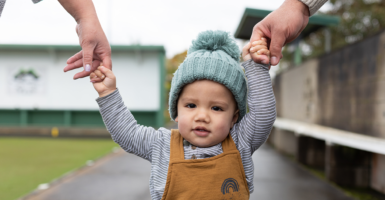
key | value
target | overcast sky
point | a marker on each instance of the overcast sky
(172, 23)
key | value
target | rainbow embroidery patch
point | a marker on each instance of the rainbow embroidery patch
(229, 183)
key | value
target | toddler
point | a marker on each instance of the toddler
(209, 156)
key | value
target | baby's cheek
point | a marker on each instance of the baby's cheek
(183, 124)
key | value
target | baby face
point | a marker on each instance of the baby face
(206, 112)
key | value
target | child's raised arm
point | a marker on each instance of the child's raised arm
(255, 126)
(119, 121)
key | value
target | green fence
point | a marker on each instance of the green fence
(67, 118)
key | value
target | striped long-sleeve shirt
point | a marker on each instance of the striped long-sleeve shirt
(2, 3)
(154, 145)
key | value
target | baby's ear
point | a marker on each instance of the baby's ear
(176, 119)
(235, 118)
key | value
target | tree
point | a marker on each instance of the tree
(359, 19)
(172, 65)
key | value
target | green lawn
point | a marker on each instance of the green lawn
(27, 162)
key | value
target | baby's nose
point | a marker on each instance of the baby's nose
(203, 116)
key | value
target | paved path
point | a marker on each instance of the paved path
(125, 176)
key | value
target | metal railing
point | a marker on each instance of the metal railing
(333, 136)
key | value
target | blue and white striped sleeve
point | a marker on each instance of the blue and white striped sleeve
(2, 4)
(125, 131)
(254, 128)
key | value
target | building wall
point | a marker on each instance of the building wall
(344, 89)
(348, 80)
(54, 98)
(298, 93)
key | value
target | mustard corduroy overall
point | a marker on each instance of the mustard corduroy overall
(219, 177)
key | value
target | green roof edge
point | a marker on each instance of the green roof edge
(317, 19)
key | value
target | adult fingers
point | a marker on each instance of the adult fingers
(79, 56)
(107, 61)
(257, 32)
(95, 65)
(74, 58)
(278, 39)
(88, 52)
(74, 65)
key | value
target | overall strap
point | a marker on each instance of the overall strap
(176, 146)
(228, 144)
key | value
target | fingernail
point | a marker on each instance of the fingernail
(265, 62)
(103, 76)
(274, 60)
(92, 81)
(88, 68)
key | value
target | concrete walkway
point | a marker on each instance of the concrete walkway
(125, 176)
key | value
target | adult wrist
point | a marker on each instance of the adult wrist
(313, 5)
(298, 5)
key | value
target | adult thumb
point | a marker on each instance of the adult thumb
(276, 44)
(88, 52)
(257, 33)
(107, 62)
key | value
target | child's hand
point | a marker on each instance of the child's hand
(108, 85)
(258, 48)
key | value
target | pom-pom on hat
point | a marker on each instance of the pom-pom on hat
(214, 56)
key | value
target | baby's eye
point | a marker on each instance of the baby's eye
(216, 108)
(191, 105)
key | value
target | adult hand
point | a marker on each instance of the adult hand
(281, 27)
(95, 47)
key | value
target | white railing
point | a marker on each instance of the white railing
(333, 136)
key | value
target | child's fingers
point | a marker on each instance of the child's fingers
(99, 74)
(259, 42)
(257, 48)
(245, 49)
(107, 72)
(264, 59)
(94, 78)
(92, 75)
(264, 52)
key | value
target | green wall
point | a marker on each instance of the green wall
(68, 118)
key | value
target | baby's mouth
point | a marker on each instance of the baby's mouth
(201, 131)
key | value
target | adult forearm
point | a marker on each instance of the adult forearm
(80, 10)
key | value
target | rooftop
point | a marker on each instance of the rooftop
(252, 16)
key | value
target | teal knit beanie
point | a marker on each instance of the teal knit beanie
(213, 56)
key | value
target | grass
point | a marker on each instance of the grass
(27, 162)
